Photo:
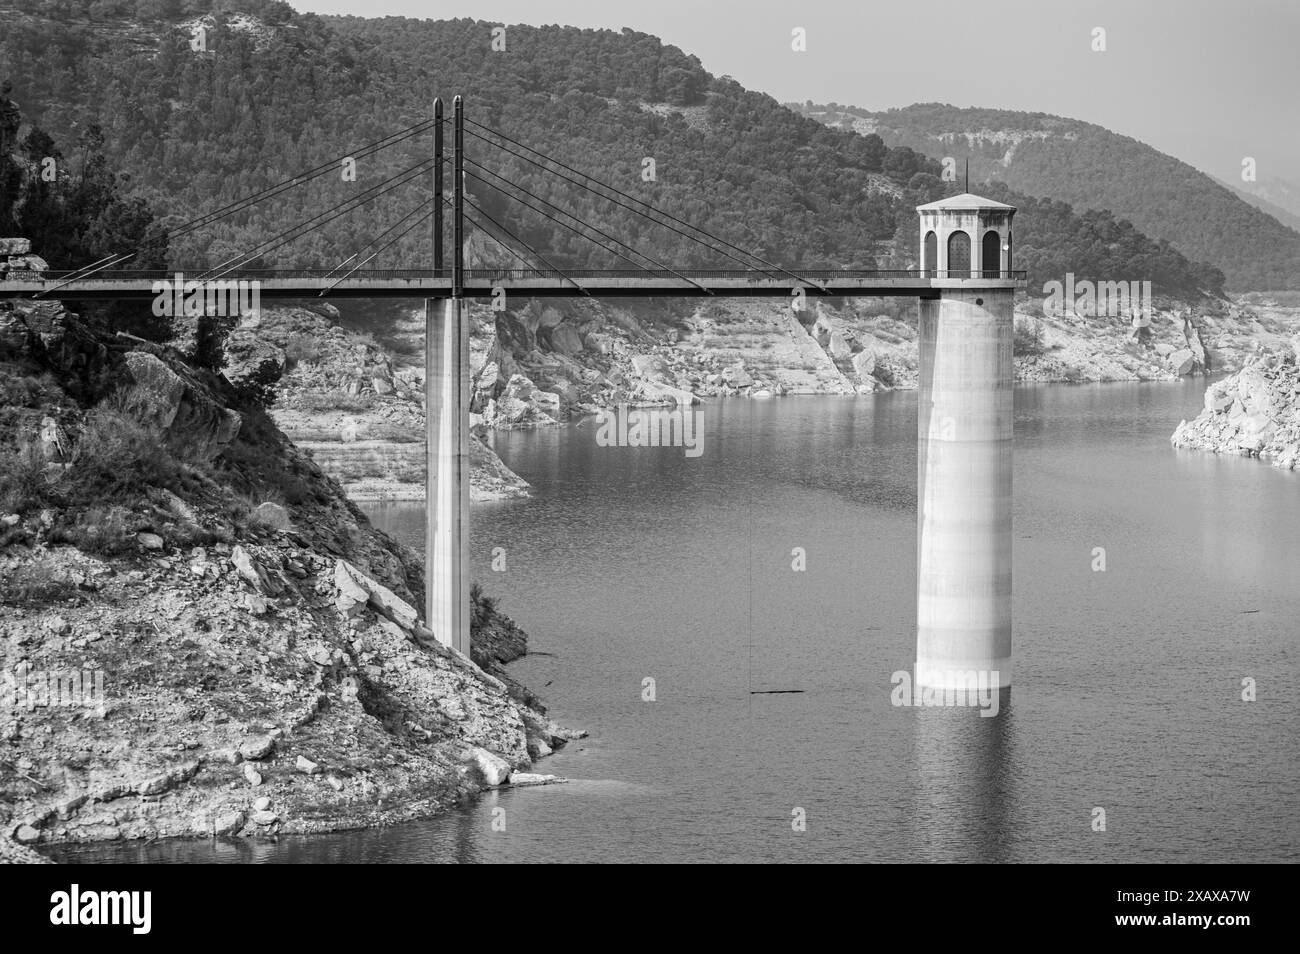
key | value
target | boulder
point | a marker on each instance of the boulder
(306, 766)
(530, 778)
(150, 541)
(228, 823)
(253, 573)
(350, 597)
(566, 339)
(251, 361)
(355, 591)
(257, 748)
(15, 246)
(738, 377)
(657, 392)
(1181, 362)
(27, 263)
(495, 769)
(161, 397)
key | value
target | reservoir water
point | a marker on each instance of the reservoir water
(635, 564)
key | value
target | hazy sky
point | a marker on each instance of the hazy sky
(1208, 81)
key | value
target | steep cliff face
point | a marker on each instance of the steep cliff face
(1253, 413)
(199, 633)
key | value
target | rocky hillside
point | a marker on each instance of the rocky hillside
(355, 405)
(199, 633)
(1253, 413)
(549, 362)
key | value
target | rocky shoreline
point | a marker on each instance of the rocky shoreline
(355, 401)
(200, 635)
(1253, 413)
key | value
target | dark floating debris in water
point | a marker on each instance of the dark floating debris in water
(1246, 612)
(772, 692)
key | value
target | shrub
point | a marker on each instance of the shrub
(20, 389)
(22, 478)
(1028, 339)
(102, 531)
(117, 458)
(483, 608)
(34, 585)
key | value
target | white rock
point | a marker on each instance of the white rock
(306, 766)
(253, 775)
(495, 769)
(354, 587)
(58, 625)
(529, 778)
(252, 572)
(150, 541)
(258, 748)
(352, 597)
(262, 804)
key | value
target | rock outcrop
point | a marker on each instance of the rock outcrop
(1253, 413)
(356, 407)
(179, 659)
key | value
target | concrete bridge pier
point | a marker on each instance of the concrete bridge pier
(964, 431)
(447, 400)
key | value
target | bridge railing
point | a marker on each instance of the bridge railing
(480, 276)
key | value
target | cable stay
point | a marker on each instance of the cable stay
(377, 251)
(342, 208)
(641, 202)
(474, 205)
(582, 222)
(207, 218)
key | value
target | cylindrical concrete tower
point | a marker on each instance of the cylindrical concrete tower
(963, 602)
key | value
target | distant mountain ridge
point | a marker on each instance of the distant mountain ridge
(1093, 168)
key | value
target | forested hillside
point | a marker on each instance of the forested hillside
(275, 92)
(1094, 168)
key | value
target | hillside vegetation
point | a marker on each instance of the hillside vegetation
(1093, 168)
(196, 130)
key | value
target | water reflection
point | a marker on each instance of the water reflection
(965, 783)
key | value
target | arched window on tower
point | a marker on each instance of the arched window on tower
(1009, 265)
(958, 255)
(931, 255)
(991, 254)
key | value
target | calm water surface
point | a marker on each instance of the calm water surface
(631, 564)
